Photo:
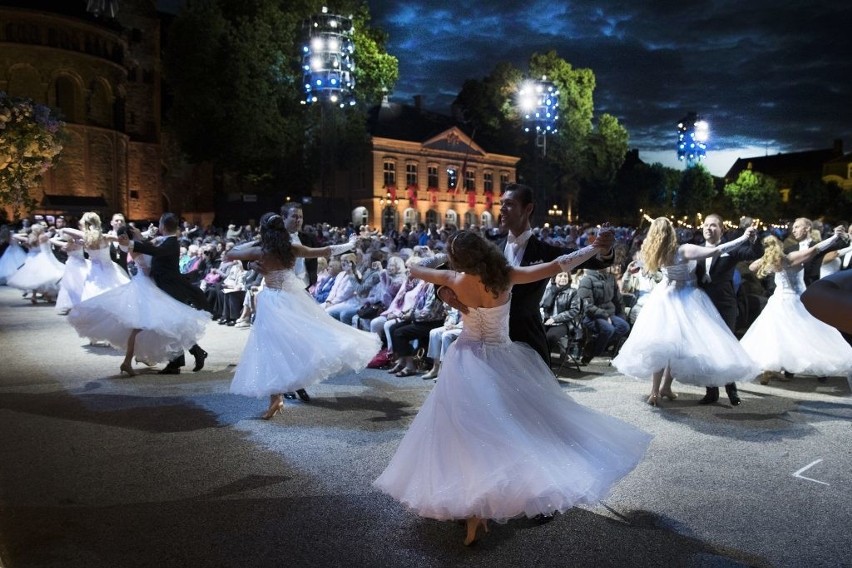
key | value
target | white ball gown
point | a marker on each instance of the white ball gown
(294, 343)
(41, 272)
(679, 326)
(73, 278)
(103, 274)
(168, 326)
(786, 337)
(497, 438)
(13, 258)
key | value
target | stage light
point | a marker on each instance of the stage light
(692, 136)
(539, 104)
(327, 59)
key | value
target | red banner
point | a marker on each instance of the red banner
(392, 191)
(433, 195)
(411, 194)
(471, 199)
(489, 200)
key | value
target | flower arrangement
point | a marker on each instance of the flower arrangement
(31, 139)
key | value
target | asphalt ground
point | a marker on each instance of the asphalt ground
(99, 470)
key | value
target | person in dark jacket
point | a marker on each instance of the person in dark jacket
(560, 309)
(603, 311)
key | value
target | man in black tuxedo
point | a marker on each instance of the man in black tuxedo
(118, 226)
(522, 248)
(715, 275)
(305, 268)
(165, 271)
(801, 234)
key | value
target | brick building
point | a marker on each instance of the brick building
(104, 75)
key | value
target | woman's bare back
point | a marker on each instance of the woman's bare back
(471, 292)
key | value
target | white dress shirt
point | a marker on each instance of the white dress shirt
(516, 246)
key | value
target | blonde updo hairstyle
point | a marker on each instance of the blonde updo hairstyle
(659, 247)
(90, 223)
(773, 256)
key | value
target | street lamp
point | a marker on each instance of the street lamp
(555, 212)
(539, 104)
(328, 59)
(692, 134)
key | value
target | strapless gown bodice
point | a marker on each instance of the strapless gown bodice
(681, 273)
(790, 280)
(284, 279)
(99, 255)
(486, 325)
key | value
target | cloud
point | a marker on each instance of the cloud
(764, 74)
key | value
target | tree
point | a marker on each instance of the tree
(754, 194)
(646, 187)
(31, 139)
(235, 71)
(696, 191)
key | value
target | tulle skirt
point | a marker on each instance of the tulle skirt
(13, 258)
(41, 272)
(71, 285)
(168, 326)
(103, 276)
(679, 326)
(497, 438)
(295, 343)
(786, 337)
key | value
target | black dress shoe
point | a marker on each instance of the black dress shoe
(731, 389)
(290, 395)
(169, 370)
(303, 395)
(711, 396)
(231, 323)
(200, 355)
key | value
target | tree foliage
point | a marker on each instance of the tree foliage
(581, 155)
(696, 191)
(235, 71)
(754, 194)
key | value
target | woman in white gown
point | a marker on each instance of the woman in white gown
(139, 318)
(13, 257)
(476, 450)
(679, 333)
(293, 343)
(42, 271)
(785, 337)
(74, 275)
(103, 273)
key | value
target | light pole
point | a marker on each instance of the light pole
(555, 213)
(539, 103)
(692, 134)
(328, 67)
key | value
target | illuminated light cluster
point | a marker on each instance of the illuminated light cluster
(328, 62)
(692, 135)
(539, 103)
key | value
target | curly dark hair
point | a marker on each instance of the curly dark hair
(471, 253)
(275, 240)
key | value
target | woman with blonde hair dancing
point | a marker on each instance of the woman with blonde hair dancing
(679, 332)
(785, 337)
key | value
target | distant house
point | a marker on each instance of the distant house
(828, 165)
(423, 167)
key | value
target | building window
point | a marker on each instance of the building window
(134, 194)
(452, 178)
(488, 181)
(390, 173)
(411, 175)
(68, 99)
(432, 218)
(451, 218)
(504, 180)
(411, 217)
(470, 180)
(432, 172)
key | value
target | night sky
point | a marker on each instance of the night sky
(769, 76)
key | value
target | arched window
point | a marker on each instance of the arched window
(411, 217)
(469, 219)
(451, 218)
(389, 218)
(360, 216)
(68, 98)
(432, 217)
(486, 220)
(100, 111)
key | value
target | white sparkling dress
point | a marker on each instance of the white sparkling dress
(680, 326)
(294, 343)
(103, 274)
(41, 272)
(786, 337)
(71, 285)
(497, 437)
(168, 326)
(13, 258)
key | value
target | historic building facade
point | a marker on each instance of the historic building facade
(424, 169)
(104, 76)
